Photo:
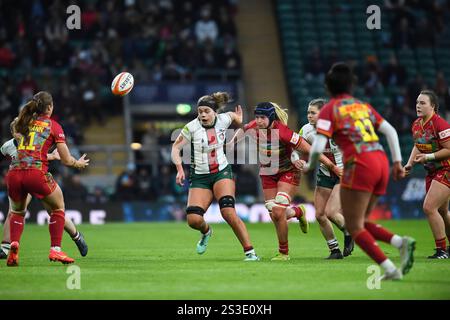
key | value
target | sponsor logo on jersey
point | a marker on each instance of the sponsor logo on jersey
(444, 134)
(295, 138)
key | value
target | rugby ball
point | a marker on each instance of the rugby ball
(122, 84)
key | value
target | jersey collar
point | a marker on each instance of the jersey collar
(424, 123)
(211, 126)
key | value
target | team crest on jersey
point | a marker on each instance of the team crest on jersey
(222, 135)
(444, 134)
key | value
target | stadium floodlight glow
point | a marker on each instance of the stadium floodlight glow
(136, 146)
(183, 108)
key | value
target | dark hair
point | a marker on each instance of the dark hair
(31, 110)
(319, 103)
(434, 100)
(215, 101)
(12, 125)
(340, 79)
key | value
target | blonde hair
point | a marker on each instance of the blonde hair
(282, 114)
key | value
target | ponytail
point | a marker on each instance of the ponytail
(26, 115)
(281, 113)
(31, 110)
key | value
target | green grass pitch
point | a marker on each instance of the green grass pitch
(159, 261)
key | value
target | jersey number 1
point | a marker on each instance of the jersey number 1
(30, 145)
(363, 126)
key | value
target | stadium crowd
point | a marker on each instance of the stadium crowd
(164, 40)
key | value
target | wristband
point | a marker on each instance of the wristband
(430, 157)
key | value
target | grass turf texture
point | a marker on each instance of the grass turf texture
(159, 261)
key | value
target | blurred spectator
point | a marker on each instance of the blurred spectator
(371, 77)
(98, 196)
(145, 184)
(74, 189)
(126, 184)
(442, 89)
(206, 27)
(403, 35)
(393, 73)
(314, 63)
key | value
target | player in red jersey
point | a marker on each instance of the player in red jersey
(352, 124)
(279, 177)
(9, 150)
(431, 135)
(28, 173)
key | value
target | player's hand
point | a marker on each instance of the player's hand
(55, 155)
(299, 164)
(180, 178)
(82, 162)
(307, 168)
(407, 169)
(420, 158)
(338, 171)
(238, 113)
(398, 172)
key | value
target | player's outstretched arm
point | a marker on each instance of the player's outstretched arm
(394, 145)
(68, 160)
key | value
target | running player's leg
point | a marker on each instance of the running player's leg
(443, 211)
(55, 202)
(354, 206)
(224, 192)
(333, 208)
(333, 212)
(6, 240)
(199, 199)
(18, 206)
(406, 245)
(16, 226)
(321, 198)
(436, 196)
(72, 231)
(285, 191)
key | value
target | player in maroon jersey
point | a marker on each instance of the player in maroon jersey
(28, 173)
(431, 135)
(352, 124)
(279, 177)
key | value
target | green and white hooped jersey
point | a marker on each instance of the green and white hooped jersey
(332, 151)
(207, 155)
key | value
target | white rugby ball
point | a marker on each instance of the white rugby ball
(122, 84)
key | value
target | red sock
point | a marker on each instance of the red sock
(56, 227)
(367, 243)
(283, 247)
(440, 244)
(16, 224)
(378, 232)
(298, 212)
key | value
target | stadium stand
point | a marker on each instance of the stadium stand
(410, 52)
